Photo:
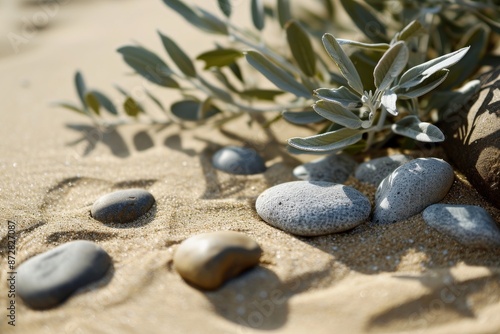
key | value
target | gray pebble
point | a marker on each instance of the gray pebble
(122, 206)
(333, 168)
(374, 171)
(409, 189)
(311, 208)
(210, 259)
(470, 225)
(48, 279)
(238, 160)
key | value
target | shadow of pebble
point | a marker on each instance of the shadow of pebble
(256, 299)
(143, 141)
(63, 237)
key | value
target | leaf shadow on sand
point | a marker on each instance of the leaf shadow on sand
(93, 136)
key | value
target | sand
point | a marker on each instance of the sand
(401, 278)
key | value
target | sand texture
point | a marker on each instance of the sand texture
(400, 278)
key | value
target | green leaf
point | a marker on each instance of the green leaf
(390, 65)
(219, 57)
(373, 46)
(105, 102)
(425, 86)
(80, 88)
(190, 110)
(419, 73)
(225, 6)
(276, 75)
(366, 21)
(92, 102)
(223, 79)
(301, 48)
(342, 96)
(337, 114)
(412, 127)
(302, 117)
(131, 107)
(258, 17)
(284, 12)
(343, 62)
(325, 142)
(235, 69)
(149, 65)
(198, 17)
(262, 94)
(414, 28)
(71, 107)
(180, 58)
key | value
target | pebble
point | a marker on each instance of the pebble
(312, 208)
(411, 188)
(469, 225)
(238, 160)
(122, 206)
(333, 168)
(48, 279)
(374, 171)
(210, 259)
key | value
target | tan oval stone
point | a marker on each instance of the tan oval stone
(208, 260)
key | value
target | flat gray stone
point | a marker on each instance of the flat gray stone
(411, 188)
(48, 279)
(208, 260)
(122, 206)
(469, 225)
(311, 208)
(334, 168)
(374, 171)
(238, 160)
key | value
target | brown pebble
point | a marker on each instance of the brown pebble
(210, 259)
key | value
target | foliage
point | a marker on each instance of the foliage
(379, 75)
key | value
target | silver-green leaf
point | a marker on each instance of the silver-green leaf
(276, 75)
(390, 65)
(342, 96)
(412, 127)
(388, 100)
(425, 86)
(302, 117)
(326, 142)
(337, 114)
(370, 46)
(80, 88)
(105, 102)
(419, 73)
(284, 12)
(343, 62)
(225, 6)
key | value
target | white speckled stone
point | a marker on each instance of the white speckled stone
(311, 208)
(469, 225)
(374, 171)
(411, 188)
(332, 168)
(238, 160)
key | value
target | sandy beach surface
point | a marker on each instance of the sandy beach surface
(399, 278)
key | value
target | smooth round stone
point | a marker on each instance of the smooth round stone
(374, 171)
(122, 206)
(469, 225)
(411, 188)
(311, 208)
(48, 279)
(238, 160)
(208, 260)
(333, 168)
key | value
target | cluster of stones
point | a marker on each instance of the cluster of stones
(318, 204)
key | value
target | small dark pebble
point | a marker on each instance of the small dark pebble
(238, 160)
(122, 206)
